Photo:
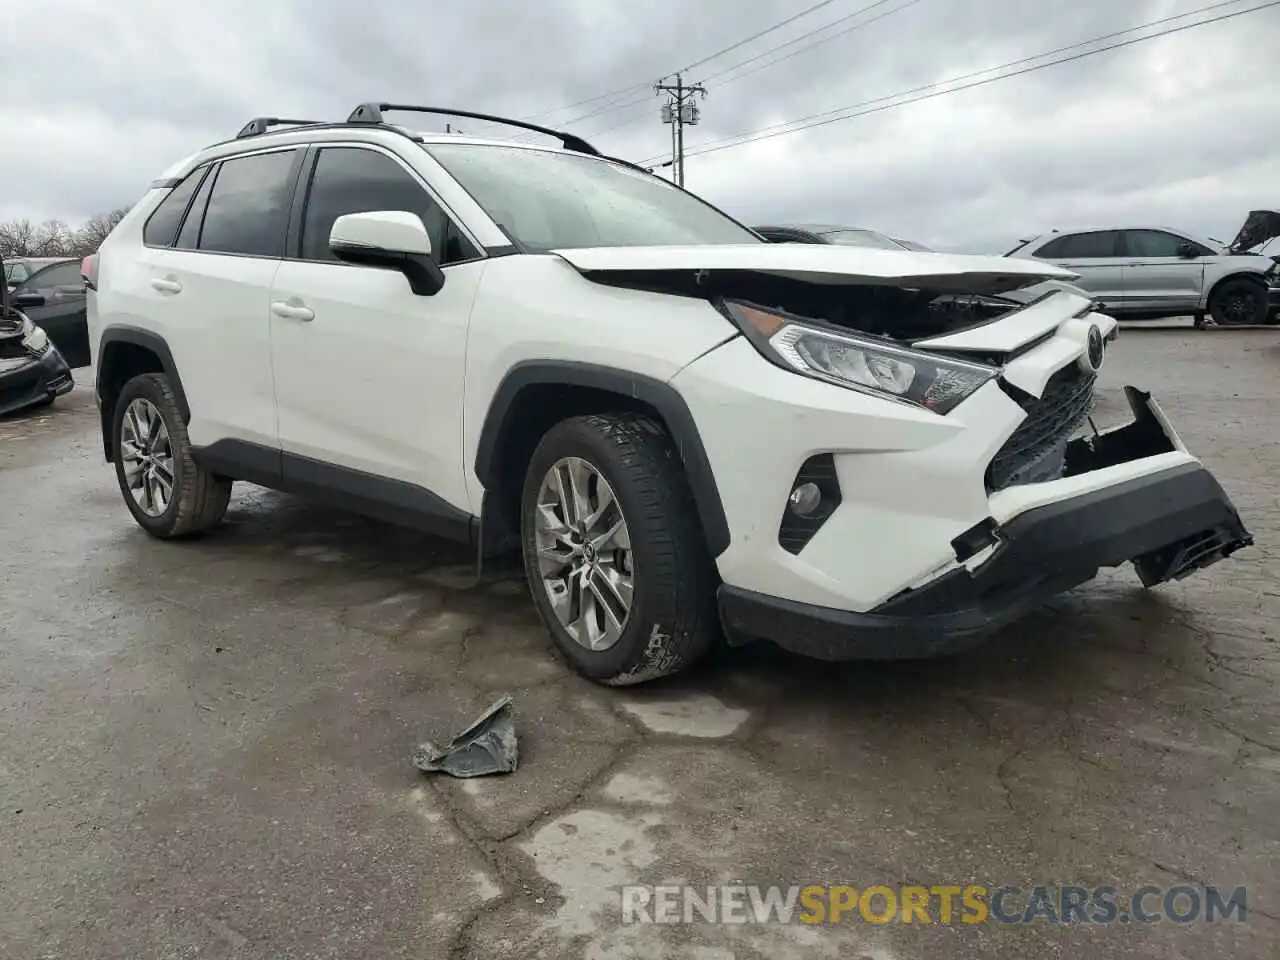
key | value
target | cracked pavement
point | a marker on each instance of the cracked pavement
(205, 747)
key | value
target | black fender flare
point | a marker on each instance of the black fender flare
(661, 396)
(157, 345)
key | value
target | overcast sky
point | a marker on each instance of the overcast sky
(99, 97)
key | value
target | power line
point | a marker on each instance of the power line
(756, 36)
(609, 108)
(647, 98)
(697, 63)
(805, 36)
(822, 119)
(582, 103)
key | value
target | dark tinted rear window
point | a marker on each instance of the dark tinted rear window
(162, 225)
(1101, 243)
(248, 209)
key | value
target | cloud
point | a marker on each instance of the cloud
(1177, 131)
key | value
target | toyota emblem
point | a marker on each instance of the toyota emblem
(1091, 359)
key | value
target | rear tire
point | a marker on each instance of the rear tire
(628, 596)
(168, 493)
(1239, 303)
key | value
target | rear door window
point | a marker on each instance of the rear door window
(248, 208)
(1082, 246)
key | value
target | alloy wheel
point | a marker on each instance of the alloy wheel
(1240, 308)
(584, 553)
(147, 456)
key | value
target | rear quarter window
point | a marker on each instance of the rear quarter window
(162, 226)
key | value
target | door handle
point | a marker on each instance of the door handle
(166, 285)
(292, 310)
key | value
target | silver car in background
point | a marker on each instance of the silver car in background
(1149, 272)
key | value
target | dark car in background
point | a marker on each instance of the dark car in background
(53, 297)
(32, 371)
(18, 269)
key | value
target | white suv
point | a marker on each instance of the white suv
(688, 431)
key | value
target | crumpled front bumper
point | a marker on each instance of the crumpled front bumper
(1169, 523)
(24, 382)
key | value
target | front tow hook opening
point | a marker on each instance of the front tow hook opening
(1184, 557)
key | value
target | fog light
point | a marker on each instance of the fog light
(805, 500)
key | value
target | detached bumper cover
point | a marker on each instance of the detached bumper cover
(24, 382)
(1169, 524)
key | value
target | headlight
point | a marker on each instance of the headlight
(859, 362)
(34, 338)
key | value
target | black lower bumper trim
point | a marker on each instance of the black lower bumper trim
(1169, 524)
(46, 377)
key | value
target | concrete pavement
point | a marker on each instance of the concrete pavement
(205, 747)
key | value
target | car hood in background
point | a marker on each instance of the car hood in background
(828, 264)
(1259, 227)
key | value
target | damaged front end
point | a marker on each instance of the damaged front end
(32, 371)
(1260, 227)
(1213, 529)
(934, 331)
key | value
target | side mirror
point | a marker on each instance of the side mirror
(390, 239)
(27, 300)
(1188, 251)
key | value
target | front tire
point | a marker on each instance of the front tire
(613, 550)
(1239, 303)
(168, 493)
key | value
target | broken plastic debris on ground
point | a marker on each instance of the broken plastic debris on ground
(487, 746)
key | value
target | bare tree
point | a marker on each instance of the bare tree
(17, 238)
(53, 238)
(94, 230)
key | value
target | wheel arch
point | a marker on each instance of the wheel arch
(124, 352)
(1251, 276)
(535, 395)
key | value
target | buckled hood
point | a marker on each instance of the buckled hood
(826, 264)
(1259, 227)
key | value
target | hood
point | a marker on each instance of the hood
(825, 264)
(1259, 227)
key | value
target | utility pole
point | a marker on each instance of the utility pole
(680, 111)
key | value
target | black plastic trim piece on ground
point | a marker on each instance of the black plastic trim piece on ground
(1169, 523)
(393, 501)
(661, 396)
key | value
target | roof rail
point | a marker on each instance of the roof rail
(372, 113)
(260, 125)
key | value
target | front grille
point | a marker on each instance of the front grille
(1037, 449)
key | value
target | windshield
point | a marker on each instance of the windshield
(15, 272)
(554, 201)
(862, 238)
